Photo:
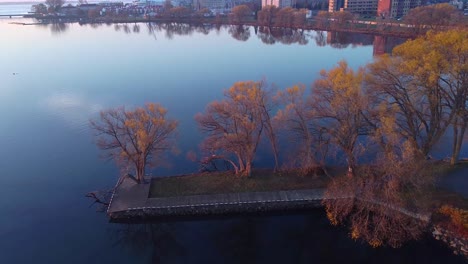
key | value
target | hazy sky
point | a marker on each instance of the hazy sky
(23, 1)
(20, 1)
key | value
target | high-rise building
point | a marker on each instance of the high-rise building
(335, 5)
(277, 3)
(365, 7)
(353, 6)
(395, 8)
(382, 8)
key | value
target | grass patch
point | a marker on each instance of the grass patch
(442, 168)
(227, 182)
(442, 197)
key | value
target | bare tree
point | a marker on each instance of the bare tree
(235, 125)
(135, 138)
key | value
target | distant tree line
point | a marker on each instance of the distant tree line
(420, 19)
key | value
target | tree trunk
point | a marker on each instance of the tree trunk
(457, 140)
(248, 169)
(140, 173)
(351, 165)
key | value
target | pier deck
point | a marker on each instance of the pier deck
(130, 200)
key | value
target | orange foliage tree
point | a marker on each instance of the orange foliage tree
(425, 86)
(386, 203)
(339, 106)
(135, 138)
(435, 17)
(234, 126)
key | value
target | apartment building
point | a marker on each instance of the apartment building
(395, 8)
(277, 3)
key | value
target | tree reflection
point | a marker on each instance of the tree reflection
(136, 28)
(320, 38)
(177, 29)
(157, 238)
(237, 241)
(285, 36)
(239, 32)
(268, 35)
(58, 28)
(341, 40)
(152, 29)
(126, 28)
(265, 35)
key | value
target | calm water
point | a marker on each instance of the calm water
(65, 74)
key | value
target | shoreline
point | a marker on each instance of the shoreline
(132, 201)
(389, 29)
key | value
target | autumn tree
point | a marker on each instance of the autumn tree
(323, 19)
(167, 5)
(439, 63)
(284, 17)
(39, 8)
(299, 18)
(235, 125)
(341, 18)
(424, 86)
(307, 141)
(204, 12)
(239, 13)
(266, 16)
(386, 203)
(54, 4)
(135, 138)
(435, 16)
(340, 107)
(95, 12)
(180, 11)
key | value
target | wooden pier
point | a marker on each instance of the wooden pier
(130, 201)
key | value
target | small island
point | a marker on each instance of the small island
(383, 121)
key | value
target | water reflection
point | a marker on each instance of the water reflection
(239, 32)
(269, 36)
(58, 28)
(71, 108)
(305, 237)
(158, 238)
(285, 36)
(55, 27)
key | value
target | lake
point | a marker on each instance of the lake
(54, 78)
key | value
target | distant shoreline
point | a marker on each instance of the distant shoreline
(389, 31)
